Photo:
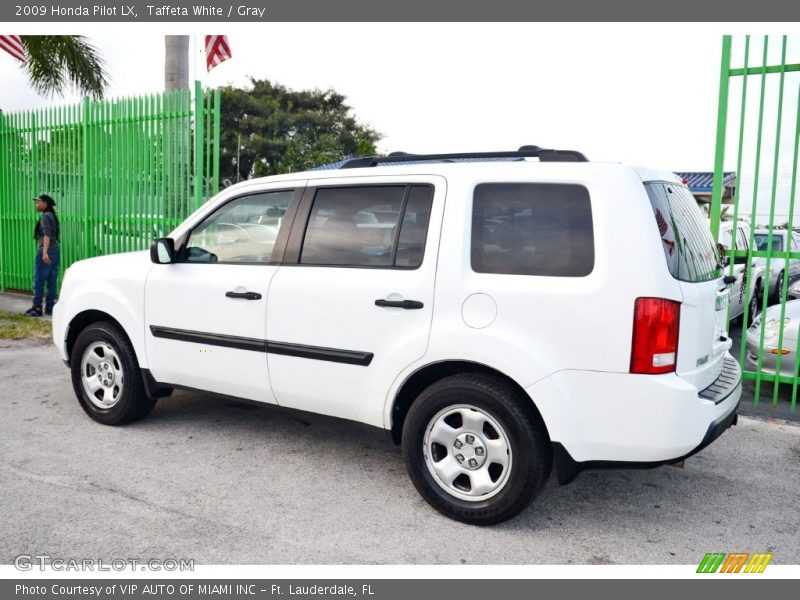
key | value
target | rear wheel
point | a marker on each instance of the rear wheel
(106, 376)
(475, 449)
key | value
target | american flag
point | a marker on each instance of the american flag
(662, 229)
(217, 50)
(662, 222)
(13, 45)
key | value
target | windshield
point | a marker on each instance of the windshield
(685, 235)
(762, 241)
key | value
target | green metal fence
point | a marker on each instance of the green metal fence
(759, 102)
(121, 172)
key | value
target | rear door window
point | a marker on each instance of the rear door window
(368, 226)
(685, 234)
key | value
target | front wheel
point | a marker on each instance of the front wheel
(755, 305)
(476, 449)
(106, 376)
(779, 288)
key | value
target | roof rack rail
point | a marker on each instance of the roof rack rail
(543, 154)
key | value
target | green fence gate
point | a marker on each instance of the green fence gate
(121, 172)
(759, 104)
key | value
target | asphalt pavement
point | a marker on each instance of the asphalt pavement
(228, 483)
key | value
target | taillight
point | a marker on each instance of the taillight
(655, 336)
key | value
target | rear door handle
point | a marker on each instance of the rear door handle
(405, 304)
(244, 295)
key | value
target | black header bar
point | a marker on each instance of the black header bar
(262, 11)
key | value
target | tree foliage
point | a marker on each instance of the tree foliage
(57, 62)
(280, 130)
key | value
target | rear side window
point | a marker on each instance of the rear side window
(685, 234)
(532, 229)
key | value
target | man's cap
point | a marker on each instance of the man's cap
(46, 198)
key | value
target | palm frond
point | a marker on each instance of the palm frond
(57, 62)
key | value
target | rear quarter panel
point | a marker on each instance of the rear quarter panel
(547, 324)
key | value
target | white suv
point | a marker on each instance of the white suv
(495, 312)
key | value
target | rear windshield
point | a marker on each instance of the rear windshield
(685, 234)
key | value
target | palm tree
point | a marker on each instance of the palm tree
(57, 62)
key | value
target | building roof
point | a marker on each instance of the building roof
(703, 182)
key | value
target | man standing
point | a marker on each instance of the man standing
(45, 268)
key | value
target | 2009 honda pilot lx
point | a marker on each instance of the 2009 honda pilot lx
(498, 313)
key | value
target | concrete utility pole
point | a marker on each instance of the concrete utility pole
(176, 62)
(176, 78)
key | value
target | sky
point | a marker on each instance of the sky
(644, 94)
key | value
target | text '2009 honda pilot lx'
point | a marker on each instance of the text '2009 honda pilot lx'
(497, 312)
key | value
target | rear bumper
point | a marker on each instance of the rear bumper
(600, 420)
(567, 468)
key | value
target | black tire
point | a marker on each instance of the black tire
(132, 403)
(755, 305)
(778, 289)
(530, 454)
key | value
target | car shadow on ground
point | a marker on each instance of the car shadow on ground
(649, 501)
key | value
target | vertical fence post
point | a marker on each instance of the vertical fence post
(215, 152)
(34, 157)
(722, 122)
(87, 231)
(198, 144)
(4, 157)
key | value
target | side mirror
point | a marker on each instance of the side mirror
(162, 251)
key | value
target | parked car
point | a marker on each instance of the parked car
(781, 241)
(793, 293)
(741, 292)
(502, 327)
(780, 339)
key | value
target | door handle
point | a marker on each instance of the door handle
(244, 295)
(404, 304)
